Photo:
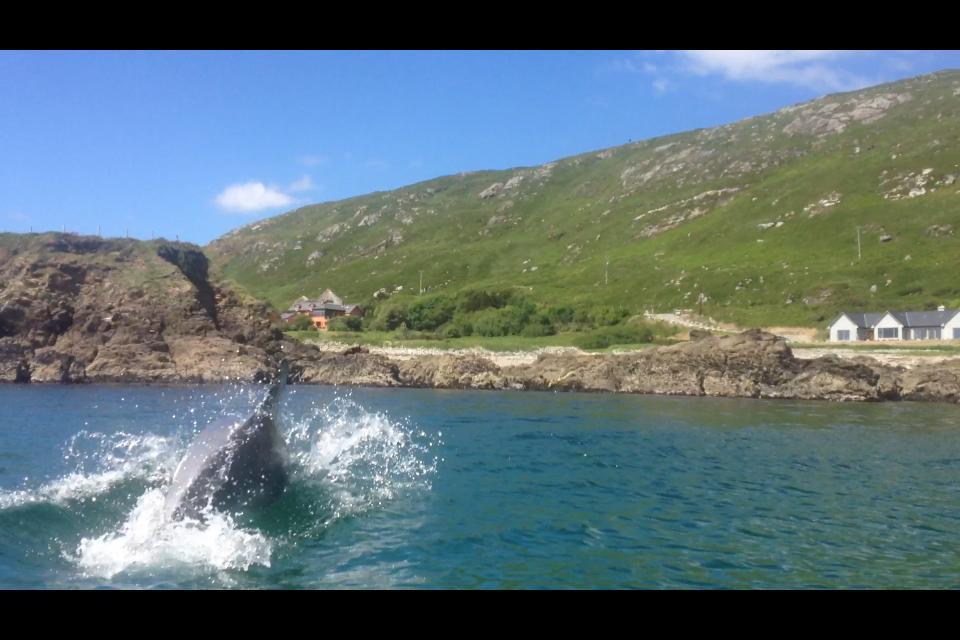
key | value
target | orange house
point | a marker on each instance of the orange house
(320, 322)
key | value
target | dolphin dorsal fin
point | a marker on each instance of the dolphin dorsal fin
(273, 396)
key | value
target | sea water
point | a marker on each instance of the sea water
(401, 488)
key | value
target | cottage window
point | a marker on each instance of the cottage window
(892, 332)
(956, 333)
(843, 334)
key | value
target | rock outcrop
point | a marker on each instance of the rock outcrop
(753, 364)
(87, 309)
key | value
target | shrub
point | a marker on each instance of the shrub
(582, 318)
(429, 313)
(480, 299)
(300, 323)
(608, 316)
(459, 327)
(345, 323)
(560, 315)
(608, 336)
(502, 322)
(538, 330)
(389, 316)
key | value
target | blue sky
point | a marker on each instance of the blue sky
(195, 144)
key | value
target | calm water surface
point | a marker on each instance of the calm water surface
(441, 489)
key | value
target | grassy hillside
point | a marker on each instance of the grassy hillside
(760, 215)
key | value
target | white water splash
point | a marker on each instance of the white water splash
(148, 541)
(111, 459)
(366, 459)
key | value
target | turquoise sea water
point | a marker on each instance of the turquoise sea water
(441, 489)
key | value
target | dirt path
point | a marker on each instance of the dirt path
(499, 358)
(891, 357)
(689, 321)
(517, 358)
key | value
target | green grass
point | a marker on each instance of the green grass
(901, 347)
(578, 226)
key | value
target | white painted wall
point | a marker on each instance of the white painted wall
(948, 328)
(843, 323)
(887, 322)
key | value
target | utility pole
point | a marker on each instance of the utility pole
(858, 244)
(98, 231)
(421, 283)
(606, 270)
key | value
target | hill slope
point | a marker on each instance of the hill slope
(760, 215)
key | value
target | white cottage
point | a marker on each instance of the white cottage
(942, 324)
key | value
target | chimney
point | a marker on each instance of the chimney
(941, 308)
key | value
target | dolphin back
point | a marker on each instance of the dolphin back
(233, 463)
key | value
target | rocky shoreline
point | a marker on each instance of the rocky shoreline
(82, 309)
(752, 364)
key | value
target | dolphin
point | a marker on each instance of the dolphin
(232, 463)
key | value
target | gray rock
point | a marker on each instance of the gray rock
(493, 190)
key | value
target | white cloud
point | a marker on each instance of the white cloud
(251, 196)
(632, 65)
(303, 184)
(661, 85)
(810, 69)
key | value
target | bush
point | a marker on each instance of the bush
(608, 316)
(345, 323)
(537, 330)
(300, 323)
(389, 316)
(429, 313)
(560, 315)
(608, 336)
(480, 299)
(459, 327)
(508, 321)
(582, 318)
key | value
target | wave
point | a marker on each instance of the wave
(102, 462)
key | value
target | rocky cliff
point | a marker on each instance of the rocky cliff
(88, 309)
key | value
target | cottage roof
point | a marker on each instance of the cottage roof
(329, 296)
(328, 301)
(906, 318)
(862, 320)
(924, 318)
